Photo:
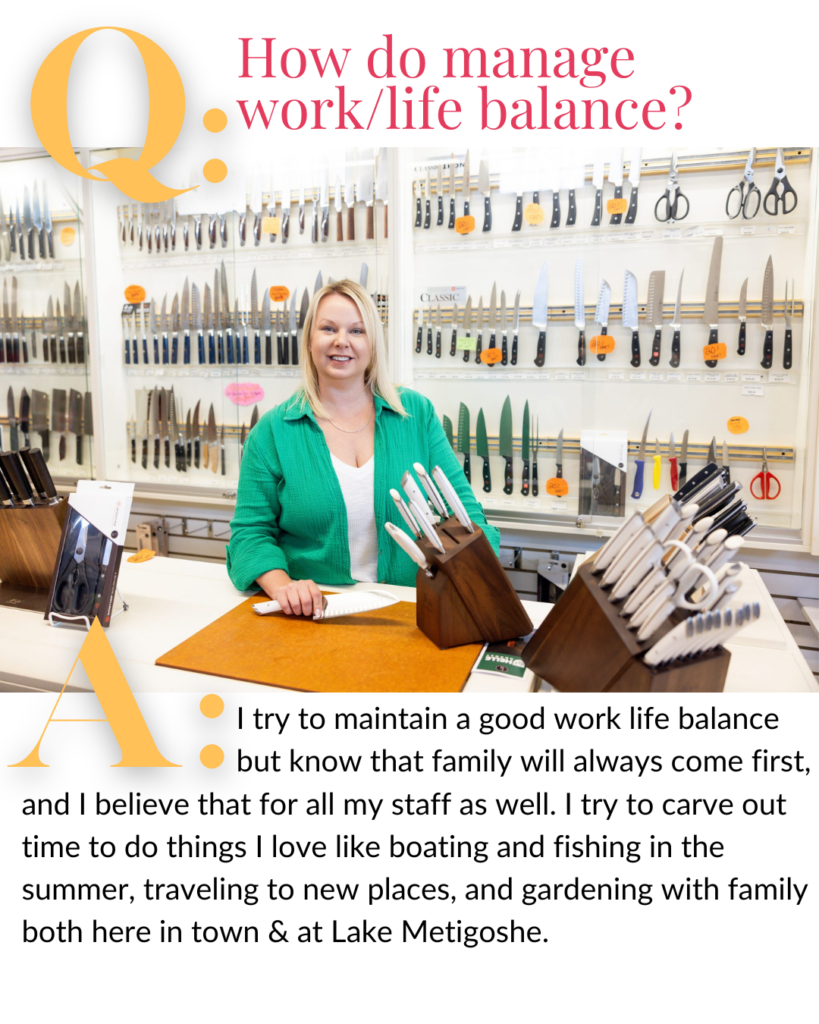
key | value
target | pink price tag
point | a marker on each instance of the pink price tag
(244, 394)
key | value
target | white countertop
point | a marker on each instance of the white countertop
(170, 599)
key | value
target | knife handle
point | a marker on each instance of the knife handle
(683, 475)
(229, 346)
(492, 344)
(62, 447)
(504, 350)
(635, 348)
(467, 467)
(175, 349)
(534, 477)
(787, 359)
(294, 348)
(79, 449)
(80, 349)
(632, 206)
(257, 348)
(268, 348)
(466, 206)
(454, 342)
(370, 221)
(418, 216)
(54, 349)
(487, 477)
(675, 350)
(222, 460)
(655, 347)
(220, 349)
(145, 453)
(602, 355)
(658, 469)
(196, 453)
(675, 477)
(133, 450)
(156, 350)
(487, 214)
(201, 347)
(741, 341)
(419, 339)
(508, 482)
(211, 348)
(479, 346)
(713, 339)
(351, 223)
(62, 350)
(72, 351)
(540, 358)
(438, 343)
(451, 212)
(638, 478)
(429, 339)
(571, 217)
(555, 209)
(339, 226)
(518, 213)
(279, 350)
(524, 490)
(598, 208)
(514, 359)
(285, 348)
(127, 352)
(164, 349)
(245, 359)
(427, 214)
(440, 220)
(466, 350)
(581, 349)
(616, 218)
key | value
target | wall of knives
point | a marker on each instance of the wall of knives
(614, 315)
(203, 308)
(46, 393)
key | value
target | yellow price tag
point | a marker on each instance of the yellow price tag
(601, 344)
(534, 214)
(143, 555)
(712, 352)
(463, 225)
(271, 225)
(617, 205)
(135, 294)
(738, 425)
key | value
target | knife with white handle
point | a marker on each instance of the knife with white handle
(427, 528)
(337, 605)
(406, 515)
(636, 570)
(414, 493)
(451, 496)
(639, 543)
(651, 606)
(431, 489)
(614, 545)
(408, 545)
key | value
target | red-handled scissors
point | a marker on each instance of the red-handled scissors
(766, 479)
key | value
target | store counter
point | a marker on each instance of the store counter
(170, 599)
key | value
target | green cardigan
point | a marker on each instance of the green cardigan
(290, 512)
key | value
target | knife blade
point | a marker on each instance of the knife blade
(683, 462)
(175, 325)
(217, 317)
(381, 189)
(69, 324)
(266, 330)
(75, 401)
(485, 187)
(505, 445)
(634, 181)
(440, 190)
(254, 319)
(742, 312)
(37, 220)
(163, 327)
(15, 324)
(25, 410)
(630, 320)
(479, 335)
(226, 325)
(504, 320)
(6, 349)
(14, 442)
(212, 458)
(676, 325)
(559, 456)
(465, 184)
(349, 191)
(339, 605)
(640, 462)
(580, 311)
(61, 330)
(616, 178)
(452, 165)
(658, 467)
(408, 545)
(453, 345)
(482, 448)
(766, 315)
(5, 236)
(464, 440)
(364, 190)
(324, 202)
(19, 224)
(58, 418)
(601, 314)
(39, 419)
(467, 324)
(654, 312)
(524, 447)
(540, 316)
(710, 314)
(515, 329)
(27, 223)
(597, 181)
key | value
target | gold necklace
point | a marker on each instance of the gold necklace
(358, 429)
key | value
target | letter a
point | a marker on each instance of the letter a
(121, 710)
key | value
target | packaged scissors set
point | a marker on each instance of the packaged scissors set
(84, 583)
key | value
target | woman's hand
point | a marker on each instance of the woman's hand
(297, 597)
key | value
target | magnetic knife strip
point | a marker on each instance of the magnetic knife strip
(734, 161)
(690, 311)
(696, 452)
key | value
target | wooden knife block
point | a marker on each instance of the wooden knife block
(584, 646)
(469, 599)
(29, 545)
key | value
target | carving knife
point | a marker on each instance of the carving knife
(616, 178)
(453, 345)
(676, 326)
(349, 193)
(452, 164)
(482, 448)
(640, 462)
(601, 314)
(634, 181)
(440, 191)
(597, 181)
(504, 330)
(464, 439)
(524, 446)
(710, 314)
(485, 187)
(654, 313)
(540, 315)
(505, 445)
(514, 359)
(766, 315)
(580, 311)
(467, 324)
(630, 321)
(742, 313)
(75, 421)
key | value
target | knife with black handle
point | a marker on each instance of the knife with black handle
(518, 212)
(429, 336)
(508, 478)
(419, 338)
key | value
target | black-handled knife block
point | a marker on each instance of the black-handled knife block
(469, 598)
(29, 545)
(584, 646)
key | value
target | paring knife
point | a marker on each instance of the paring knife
(540, 315)
(676, 325)
(338, 605)
(524, 447)
(601, 314)
(654, 312)
(630, 317)
(766, 315)
(514, 359)
(634, 181)
(640, 462)
(464, 440)
(580, 311)
(505, 445)
(408, 545)
(485, 187)
(710, 314)
(482, 448)
(742, 313)
(616, 178)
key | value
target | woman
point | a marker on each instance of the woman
(317, 470)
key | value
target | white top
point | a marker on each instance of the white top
(357, 486)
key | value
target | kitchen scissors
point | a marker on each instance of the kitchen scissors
(773, 193)
(765, 478)
(741, 202)
(671, 198)
(73, 594)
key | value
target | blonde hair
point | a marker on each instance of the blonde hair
(375, 376)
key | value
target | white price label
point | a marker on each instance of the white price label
(578, 374)
(731, 378)
(559, 506)
(672, 233)
(508, 502)
(711, 232)
(656, 376)
(713, 377)
(562, 375)
(786, 229)
(694, 232)
(753, 390)
(752, 376)
(675, 375)
(647, 235)
(779, 378)
(747, 229)
(637, 375)
(617, 375)
(693, 376)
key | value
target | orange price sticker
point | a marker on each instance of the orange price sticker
(617, 205)
(557, 487)
(534, 214)
(738, 425)
(718, 351)
(67, 236)
(134, 294)
(491, 356)
(144, 555)
(601, 344)
(463, 225)
(271, 225)
(278, 293)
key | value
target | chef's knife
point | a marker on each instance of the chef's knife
(540, 315)
(514, 359)
(505, 445)
(524, 447)
(58, 418)
(452, 164)
(338, 605)
(634, 181)
(75, 421)
(467, 324)
(464, 439)
(428, 200)
(580, 311)
(465, 184)
(439, 326)
(485, 187)
(440, 190)
(616, 178)
(482, 448)
(676, 325)
(479, 336)
(766, 315)
(630, 320)
(683, 462)
(504, 320)
(640, 462)
(654, 312)
(742, 313)
(601, 314)
(710, 314)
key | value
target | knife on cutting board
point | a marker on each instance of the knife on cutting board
(710, 314)
(654, 312)
(338, 605)
(482, 448)
(630, 316)
(505, 445)
(464, 440)
(766, 315)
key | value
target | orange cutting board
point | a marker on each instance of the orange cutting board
(375, 652)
